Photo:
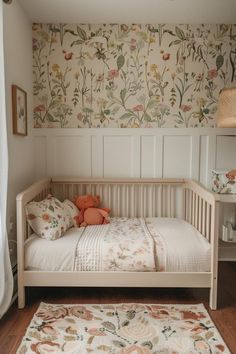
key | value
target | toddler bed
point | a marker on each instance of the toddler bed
(163, 233)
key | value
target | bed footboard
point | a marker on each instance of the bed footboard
(201, 209)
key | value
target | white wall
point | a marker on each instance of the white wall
(140, 153)
(18, 70)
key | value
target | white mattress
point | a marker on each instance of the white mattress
(185, 249)
(57, 255)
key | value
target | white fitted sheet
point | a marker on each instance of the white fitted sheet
(185, 248)
(179, 245)
(57, 255)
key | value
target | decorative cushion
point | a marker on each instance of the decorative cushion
(72, 210)
(48, 218)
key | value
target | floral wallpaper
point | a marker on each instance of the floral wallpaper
(122, 76)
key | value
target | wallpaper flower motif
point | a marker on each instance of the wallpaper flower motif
(130, 75)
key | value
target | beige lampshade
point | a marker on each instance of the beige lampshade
(226, 116)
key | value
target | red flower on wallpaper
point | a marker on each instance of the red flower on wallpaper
(185, 107)
(166, 56)
(138, 108)
(68, 55)
(39, 108)
(212, 74)
(113, 73)
(133, 44)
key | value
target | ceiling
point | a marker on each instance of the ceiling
(131, 11)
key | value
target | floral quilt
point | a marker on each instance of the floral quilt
(123, 245)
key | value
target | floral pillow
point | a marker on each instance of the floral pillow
(48, 218)
(72, 210)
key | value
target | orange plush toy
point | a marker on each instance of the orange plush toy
(90, 214)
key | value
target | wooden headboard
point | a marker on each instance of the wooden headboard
(127, 197)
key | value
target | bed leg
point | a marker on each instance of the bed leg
(21, 297)
(214, 256)
(213, 294)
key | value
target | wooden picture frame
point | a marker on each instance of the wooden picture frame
(19, 111)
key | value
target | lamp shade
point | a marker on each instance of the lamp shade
(226, 116)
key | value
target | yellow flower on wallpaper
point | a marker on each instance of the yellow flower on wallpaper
(153, 67)
(55, 67)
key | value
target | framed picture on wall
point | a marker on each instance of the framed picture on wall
(19, 111)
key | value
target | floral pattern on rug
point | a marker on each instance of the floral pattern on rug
(122, 329)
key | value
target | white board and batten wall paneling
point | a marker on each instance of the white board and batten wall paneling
(140, 153)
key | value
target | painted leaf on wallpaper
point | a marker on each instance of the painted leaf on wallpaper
(219, 61)
(130, 75)
(120, 61)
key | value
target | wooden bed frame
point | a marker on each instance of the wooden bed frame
(180, 198)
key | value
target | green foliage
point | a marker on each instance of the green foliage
(130, 75)
(219, 61)
(120, 61)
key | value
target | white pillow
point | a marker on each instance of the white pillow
(72, 210)
(48, 218)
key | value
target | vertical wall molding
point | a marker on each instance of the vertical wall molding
(50, 155)
(211, 155)
(97, 154)
(154, 153)
(195, 157)
(136, 154)
(159, 156)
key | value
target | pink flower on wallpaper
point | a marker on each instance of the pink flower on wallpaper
(39, 108)
(138, 108)
(185, 107)
(79, 116)
(100, 77)
(113, 73)
(68, 56)
(133, 44)
(35, 44)
(199, 77)
(212, 74)
(166, 56)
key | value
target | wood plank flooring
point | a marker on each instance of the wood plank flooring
(15, 322)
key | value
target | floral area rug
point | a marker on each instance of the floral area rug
(122, 329)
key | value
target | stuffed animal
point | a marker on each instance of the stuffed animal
(90, 214)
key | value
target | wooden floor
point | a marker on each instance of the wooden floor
(14, 323)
